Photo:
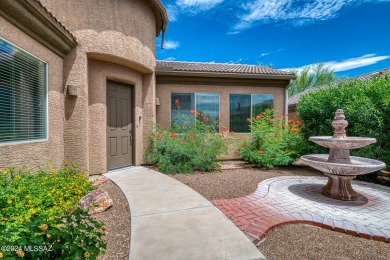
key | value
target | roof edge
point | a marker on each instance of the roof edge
(161, 15)
(168, 72)
(34, 19)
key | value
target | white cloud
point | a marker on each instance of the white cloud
(353, 63)
(292, 11)
(350, 63)
(199, 4)
(173, 13)
(171, 45)
(170, 59)
(265, 54)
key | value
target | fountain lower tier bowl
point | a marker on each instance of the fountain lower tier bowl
(342, 143)
(358, 165)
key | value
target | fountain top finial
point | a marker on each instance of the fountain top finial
(339, 124)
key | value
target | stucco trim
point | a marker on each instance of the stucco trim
(34, 19)
(161, 15)
(162, 72)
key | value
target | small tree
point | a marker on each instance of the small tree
(310, 77)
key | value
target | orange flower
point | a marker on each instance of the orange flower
(220, 115)
(293, 130)
(284, 126)
(158, 136)
(182, 140)
(231, 133)
(173, 135)
(261, 152)
(248, 120)
(290, 121)
(192, 137)
(205, 119)
(259, 117)
(177, 102)
(193, 112)
(224, 129)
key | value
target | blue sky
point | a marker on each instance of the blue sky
(352, 36)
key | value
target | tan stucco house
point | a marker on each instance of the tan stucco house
(79, 82)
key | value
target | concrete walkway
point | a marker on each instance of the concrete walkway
(289, 199)
(171, 221)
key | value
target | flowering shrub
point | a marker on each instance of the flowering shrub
(192, 143)
(273, 142)
(39, 208)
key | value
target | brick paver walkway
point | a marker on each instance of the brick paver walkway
(285, 200)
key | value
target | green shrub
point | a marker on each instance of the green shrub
(272, 142)
(39, 208)
(192, 143)
(366, 104)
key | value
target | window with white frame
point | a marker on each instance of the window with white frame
(191, 104)
(23, 90)
(244, 106)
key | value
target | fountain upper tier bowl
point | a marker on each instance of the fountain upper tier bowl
(342, 143)
(358, 165)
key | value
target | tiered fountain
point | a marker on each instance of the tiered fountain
(339, 166)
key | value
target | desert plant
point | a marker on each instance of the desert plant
(192, 143)
(40, 219)
(273, 141)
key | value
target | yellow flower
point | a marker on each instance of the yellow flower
(20, 253)
(9, 201)
(1, 255)
(86, 254)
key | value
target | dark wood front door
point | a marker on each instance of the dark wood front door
(119, 125)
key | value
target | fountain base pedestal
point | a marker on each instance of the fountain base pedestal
(340, 187)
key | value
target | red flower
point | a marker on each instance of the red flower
(159, 136)
(259, 117)
(192, 137)
(293, 130)
(177, 102)
(261, 152)
(224, 129)
(205, 119)
(193, 112)
(173, 135)
(248, 120)
(182, 140)
(290, 122)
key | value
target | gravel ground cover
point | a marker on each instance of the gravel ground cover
(288, 241)
(117, 220)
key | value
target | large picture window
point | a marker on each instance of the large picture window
(194, 103)
(242, 107)
(23, 108)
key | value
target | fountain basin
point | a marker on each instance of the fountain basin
(358, 165)
(342, 143)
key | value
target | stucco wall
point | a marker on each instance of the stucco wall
(163, 92)
(132, 18)
(36, 153)
(99, 73)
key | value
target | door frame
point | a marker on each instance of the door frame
(131, 85)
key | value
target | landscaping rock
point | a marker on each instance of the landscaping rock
(96, 201)
(99, 181)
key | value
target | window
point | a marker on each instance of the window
(191, 103)
(247, 106)
(23, 110)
